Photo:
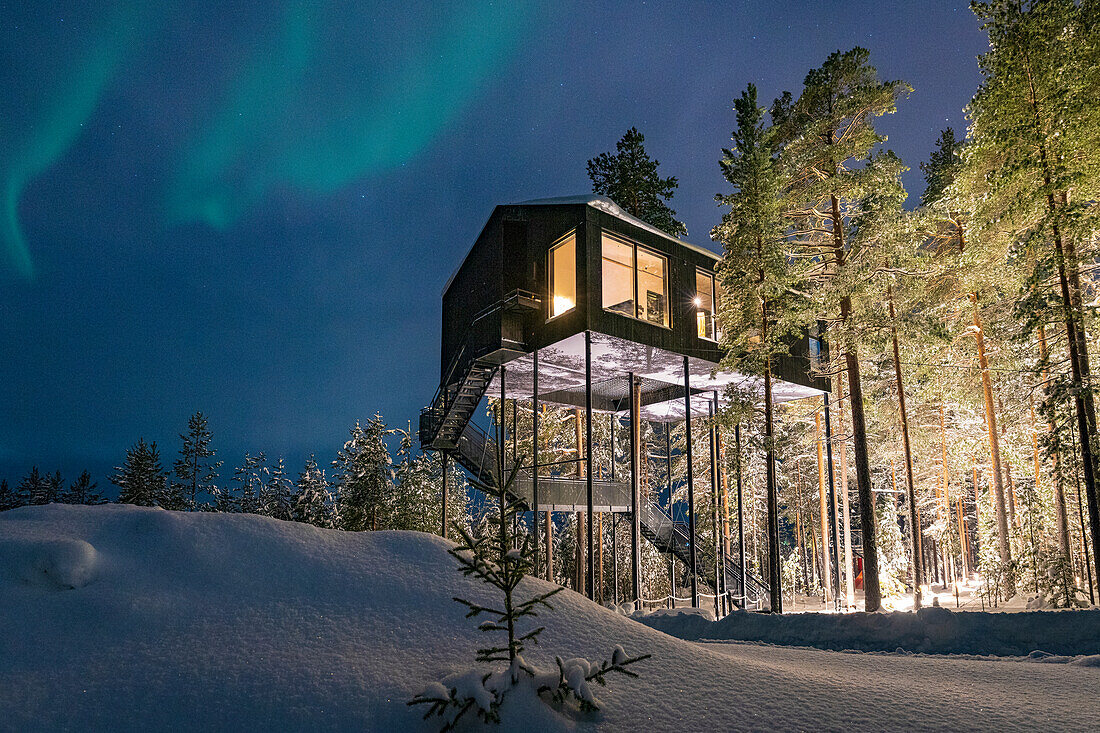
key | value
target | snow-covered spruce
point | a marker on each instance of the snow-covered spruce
(500, 559)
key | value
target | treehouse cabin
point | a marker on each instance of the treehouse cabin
(574, 303)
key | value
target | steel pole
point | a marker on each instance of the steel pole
(740, 518)
(590, 585)
(691, 487)
(535, 451)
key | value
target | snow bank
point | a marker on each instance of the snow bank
(153, 620)
(929, 630)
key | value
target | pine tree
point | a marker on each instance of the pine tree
(501, 560)
(33, 488)
(313, 497)
(141, 479)
(9, 499)
(629, 178)
(362, 473)
(1034, 131)
(756, 326)
(828, 142)
(195, 470)
(84, 491)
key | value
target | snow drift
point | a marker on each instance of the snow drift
(930, 630)
(125, 618)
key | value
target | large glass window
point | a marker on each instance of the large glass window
(635, 281)
(618, 276)
(563, 275)
(706, 305)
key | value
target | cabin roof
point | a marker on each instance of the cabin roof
(608, 206)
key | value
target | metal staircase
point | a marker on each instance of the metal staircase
(672, 537)
(477, 453)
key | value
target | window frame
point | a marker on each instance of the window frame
(635, 247)
(557, 244)
(713, 311)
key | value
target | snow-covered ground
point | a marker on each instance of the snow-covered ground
(123, 618)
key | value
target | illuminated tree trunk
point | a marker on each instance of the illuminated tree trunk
(826, 566)
(849, 578)
(914, 521)
(1061, 514)
(872, 598)
(994, 443)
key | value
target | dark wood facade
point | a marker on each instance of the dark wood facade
(496, 305)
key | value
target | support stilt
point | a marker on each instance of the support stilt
(535, 459)
(588, 461)
(691, 487)
(443, 463)
(635, 489)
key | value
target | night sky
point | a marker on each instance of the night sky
(251, 208)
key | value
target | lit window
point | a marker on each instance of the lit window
(652, 300)
(618, 276)
(635, 281)
(563, 275)
(705, 305)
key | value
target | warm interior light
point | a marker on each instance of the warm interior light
(562, 304)
(698, 302)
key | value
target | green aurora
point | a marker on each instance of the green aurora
(325, 94)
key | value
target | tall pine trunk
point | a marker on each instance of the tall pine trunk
(826, 565)
(994, 443)
(774, 570)
(842, 484)
(914, 523)
(872, 597)
(1070, 281)
(1061, 514)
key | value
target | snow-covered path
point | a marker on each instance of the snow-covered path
(926, 692)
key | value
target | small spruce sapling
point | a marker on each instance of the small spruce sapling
(501, 559)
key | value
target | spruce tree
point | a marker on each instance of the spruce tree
(756, 325)
(33, 489)
(9, 499)
(276, 494)
(196, 471)
(84, 491)
(313, 497)
(251, 477)
(141, 480)
(830, 165)
(362, 474)
(629, 178)
(55, 488)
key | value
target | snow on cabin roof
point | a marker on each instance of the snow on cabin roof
(608, 206)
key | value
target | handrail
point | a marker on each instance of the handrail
(515, 295)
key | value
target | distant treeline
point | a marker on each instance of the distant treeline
(365, 487)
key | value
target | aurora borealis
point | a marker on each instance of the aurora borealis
(249, 208)
(310, 102)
